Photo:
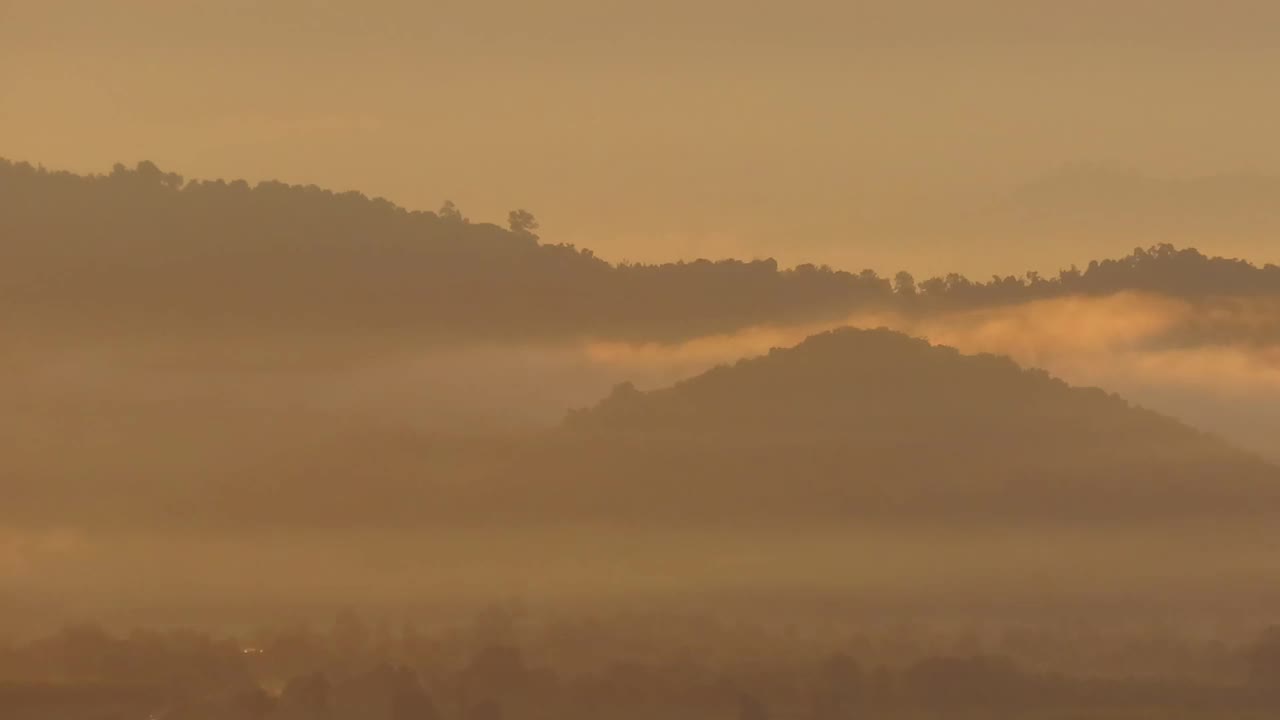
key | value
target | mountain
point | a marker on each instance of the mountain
(849, 426)
(146, 253)
(183, 337)
(876, 424)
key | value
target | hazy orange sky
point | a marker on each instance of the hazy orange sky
(855, 133)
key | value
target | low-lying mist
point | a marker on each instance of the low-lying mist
(259, 577)
(111, 423)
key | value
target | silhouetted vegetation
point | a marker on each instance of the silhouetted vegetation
(625, 667)
(832, 474)
(145, 250)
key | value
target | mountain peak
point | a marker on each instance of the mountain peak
(871, 420)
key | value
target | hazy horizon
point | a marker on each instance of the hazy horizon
(878, 134)
(619, 360)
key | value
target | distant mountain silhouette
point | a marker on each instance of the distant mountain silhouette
(143, 251)
(1215, 204)
(1098, 211)
(848, 426)
(875, 423)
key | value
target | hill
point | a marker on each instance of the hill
(146, 252)
(872, 423)
(849, 426)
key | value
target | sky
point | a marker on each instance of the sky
(884, 134)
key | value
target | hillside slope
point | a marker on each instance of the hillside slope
(876, 424)
(146, 252)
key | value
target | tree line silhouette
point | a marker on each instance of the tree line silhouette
(588, 667)
(142, 248)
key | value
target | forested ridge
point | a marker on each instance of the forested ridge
(146, 250)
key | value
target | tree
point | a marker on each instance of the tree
(522, 221)
(450, 211)
(904, 283)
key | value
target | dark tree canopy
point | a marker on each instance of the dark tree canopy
(143, 249)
